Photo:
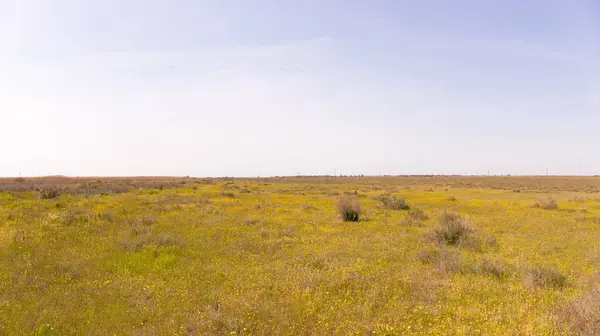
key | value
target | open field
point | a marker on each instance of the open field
(184, 256)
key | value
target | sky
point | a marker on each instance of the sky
(286, 87)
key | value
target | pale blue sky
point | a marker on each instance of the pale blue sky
(274, 87)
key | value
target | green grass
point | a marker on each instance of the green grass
(275, 258)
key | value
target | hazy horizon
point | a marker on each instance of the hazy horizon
(272, 88)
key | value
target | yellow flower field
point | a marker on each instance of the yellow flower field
(273, 257)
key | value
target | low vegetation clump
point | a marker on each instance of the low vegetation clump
(393, 202)
(544, 277)
(494, 267)
(546, 204)
(349, 208)
(453, 229)
(50, 193)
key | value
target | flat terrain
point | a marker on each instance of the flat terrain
(183, 256)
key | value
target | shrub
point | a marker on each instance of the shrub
(393, 202)
(349, 208)
(547, 204)
(451, 198)
(544, 277)
(453, 229)
(50, 193)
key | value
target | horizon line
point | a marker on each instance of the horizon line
(282, 176)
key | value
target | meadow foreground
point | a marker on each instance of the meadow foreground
(427, 256)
